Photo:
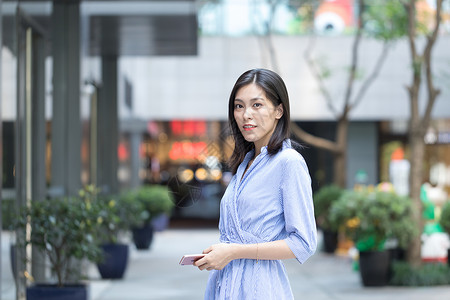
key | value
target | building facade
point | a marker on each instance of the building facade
(123, 93)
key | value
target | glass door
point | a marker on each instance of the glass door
(30, 135)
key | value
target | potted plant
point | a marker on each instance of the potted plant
(444, 221)
(8, 220)
(323, 199)
(64, 230)
(8, 213)
(371, 218)
(154, 200)
(113, 217)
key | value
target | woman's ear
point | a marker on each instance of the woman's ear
(279, 113)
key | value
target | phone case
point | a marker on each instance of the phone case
(190, 259)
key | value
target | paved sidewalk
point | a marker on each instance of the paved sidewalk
(155, 274)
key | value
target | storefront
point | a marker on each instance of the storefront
(394, 154)
(187, 155)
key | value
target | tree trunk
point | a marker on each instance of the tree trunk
(339, 170)
(338, 148)
(417, 148)
(421, 64)
(340, 158)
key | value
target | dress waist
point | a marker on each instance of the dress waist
(242, 238)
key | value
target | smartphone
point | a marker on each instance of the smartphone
(189, 259)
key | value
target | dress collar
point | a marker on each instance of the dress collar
(286, 145)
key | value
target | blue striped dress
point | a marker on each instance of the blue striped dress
(273, 201)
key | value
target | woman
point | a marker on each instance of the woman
(266, 213)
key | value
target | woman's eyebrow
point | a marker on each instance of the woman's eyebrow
(253, 99)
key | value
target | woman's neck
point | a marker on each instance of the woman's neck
(258, 148)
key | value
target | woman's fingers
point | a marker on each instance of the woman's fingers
(215, 259)
(203, 264)
(200, 262)
(207, 250)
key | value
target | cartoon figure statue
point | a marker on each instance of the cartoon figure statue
(435, 241)
(333, 16)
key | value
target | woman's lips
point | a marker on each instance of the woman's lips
(248, 127)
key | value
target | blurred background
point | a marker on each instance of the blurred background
(121, 94)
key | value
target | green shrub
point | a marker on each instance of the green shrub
(345, 210)
(372, 217)
(445, 217)
(323, 199)
(8, 213)
(64, 229)
(114, 213)
(153, 199)
(428, 274)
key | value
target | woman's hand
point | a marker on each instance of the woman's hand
(217, 257)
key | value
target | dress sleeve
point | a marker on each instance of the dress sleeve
(298, 208)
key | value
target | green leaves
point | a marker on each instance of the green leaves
(64, 229)
(445, 217)
(70, 228)
(430, 274)
(323, 200)
(371, 217)
(385, 19)
(150, 201)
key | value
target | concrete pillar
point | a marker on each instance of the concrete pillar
(38, 141)
(135, 129)
(22, 147)
(1, 139)
(362, 163)
(66, 123)
(107, 127)
(135, 166)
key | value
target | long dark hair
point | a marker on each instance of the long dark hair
(275, 89)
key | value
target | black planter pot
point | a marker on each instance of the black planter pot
(115, 261)
(374, 267)
(53, 292)
(330, 241)
(160, 222)
(143, 236)
(12, 257)
(395, 254)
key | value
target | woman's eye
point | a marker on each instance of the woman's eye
(257, 105)
(237, 106)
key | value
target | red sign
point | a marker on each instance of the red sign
(187, 150)
(188, 128)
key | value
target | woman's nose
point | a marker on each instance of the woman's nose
(247, 113)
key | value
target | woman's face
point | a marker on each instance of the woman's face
(255, 115)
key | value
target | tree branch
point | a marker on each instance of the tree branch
(370, 79)
(410, 8)
(432, 91)
(265, 38)
(354, 64)
(270, 46)
(313, 140)
(413, 89)
(318, 76)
